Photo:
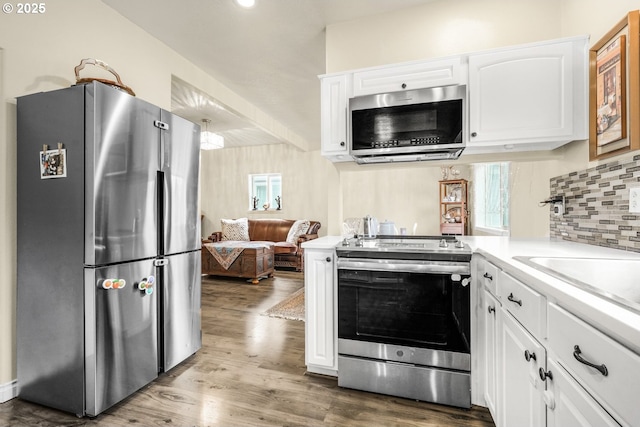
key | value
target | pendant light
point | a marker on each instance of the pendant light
(210, 140)
(247, 4)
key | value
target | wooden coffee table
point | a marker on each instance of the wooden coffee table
(255, 262)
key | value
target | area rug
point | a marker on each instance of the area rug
(291, 308)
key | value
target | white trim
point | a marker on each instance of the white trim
(8, 391)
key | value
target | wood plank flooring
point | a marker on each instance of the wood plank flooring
(250, 372)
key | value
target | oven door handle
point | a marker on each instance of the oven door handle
(404, 266)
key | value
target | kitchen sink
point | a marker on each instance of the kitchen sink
(617, 280)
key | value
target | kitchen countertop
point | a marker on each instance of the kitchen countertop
(325, 242)
(616, 320)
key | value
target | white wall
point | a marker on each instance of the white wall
(407, 195)
(440, 28)
(225, 187)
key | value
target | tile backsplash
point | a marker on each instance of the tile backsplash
(597, 205)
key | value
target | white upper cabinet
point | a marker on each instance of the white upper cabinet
(522, 98)
(333, 115)
(528, 98)
(443, 72)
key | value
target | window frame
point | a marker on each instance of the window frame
(270, 179)
(480, 205)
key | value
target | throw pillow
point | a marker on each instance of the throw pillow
(298, 228)
(235, 229)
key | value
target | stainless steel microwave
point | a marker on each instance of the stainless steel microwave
(413, 125)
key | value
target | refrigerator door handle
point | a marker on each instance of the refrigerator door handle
(161, 125)
(161, 262)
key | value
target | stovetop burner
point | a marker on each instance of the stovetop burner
(405, 247)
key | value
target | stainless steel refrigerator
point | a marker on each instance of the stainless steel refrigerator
(108, 291)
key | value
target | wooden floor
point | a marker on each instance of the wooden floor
(250, 372)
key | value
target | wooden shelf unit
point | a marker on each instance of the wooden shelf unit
(453, 205)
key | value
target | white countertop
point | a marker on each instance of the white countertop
(615, 320)
(325, 242)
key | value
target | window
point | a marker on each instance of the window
(265, 191)
(491, 197)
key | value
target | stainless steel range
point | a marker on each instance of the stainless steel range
(404, 317)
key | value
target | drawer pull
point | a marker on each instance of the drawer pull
(601, 368)
(545, 374)
(516, 301)
(491, 309)
(488, 276)
(528, 356)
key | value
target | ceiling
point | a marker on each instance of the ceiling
(270, 55)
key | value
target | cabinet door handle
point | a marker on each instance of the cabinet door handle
(492, 309)
(487, 276)
(513, 300)
(342, 143)
(404, 85)
(601, 368)
(529, 355)
(328, 259)
(474, 134)
(545, 374)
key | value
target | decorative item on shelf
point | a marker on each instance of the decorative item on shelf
(453, 173)
(278, 200)
(456, 193)
(445, 172)
(266, 206)
(255, 203)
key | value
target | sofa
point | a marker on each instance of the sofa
(287, 254)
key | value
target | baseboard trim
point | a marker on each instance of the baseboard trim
(8, 391)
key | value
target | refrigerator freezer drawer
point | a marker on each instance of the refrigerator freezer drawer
(120, 334)
(181, 308)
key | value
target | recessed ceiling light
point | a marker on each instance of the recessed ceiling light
(246, 3)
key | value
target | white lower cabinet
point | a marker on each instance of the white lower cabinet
(608, 371)
(568, 404)
(520, 390)
(491, 319)
(320, 310)
(543, 366)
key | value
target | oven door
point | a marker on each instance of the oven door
(420, 305)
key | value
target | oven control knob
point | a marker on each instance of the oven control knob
(443, 243)
(459, 244)
(400, 353)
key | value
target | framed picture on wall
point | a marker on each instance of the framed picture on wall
(614, 86)
(611, 92)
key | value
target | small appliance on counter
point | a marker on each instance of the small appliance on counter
(369, 226)
(387, 228)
